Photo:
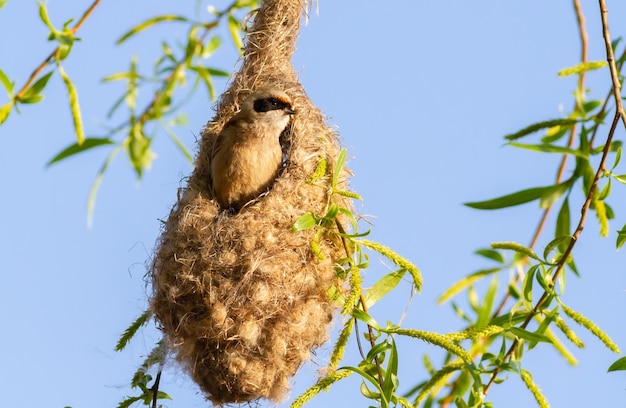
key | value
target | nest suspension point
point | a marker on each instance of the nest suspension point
(241, 298)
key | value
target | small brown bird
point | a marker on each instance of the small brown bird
(247, 154)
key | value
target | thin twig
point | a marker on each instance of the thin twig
(580, 18)
(35, 74)
(619, 114)
(370, 330)
(610, 58)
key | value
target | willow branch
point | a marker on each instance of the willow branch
(610, 58)
(37, 71)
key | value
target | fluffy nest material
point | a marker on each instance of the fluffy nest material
(242, 299)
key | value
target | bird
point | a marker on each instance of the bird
(247, 153)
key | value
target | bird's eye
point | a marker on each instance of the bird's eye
(268, 104)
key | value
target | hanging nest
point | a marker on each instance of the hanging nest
(241, 298)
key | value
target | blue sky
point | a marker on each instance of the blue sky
(421, 92)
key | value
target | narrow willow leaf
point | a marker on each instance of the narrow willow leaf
(563, 224)
(365, 318)
(547, 148)
(553, 194)
(490, 254)
(179, 144)
(618, 156)
(464, 283)
(514, 246)
(540, 125)
(74, 106)
(384, 285)
(43, 15)
(527, 286)
(234, 26)
(582, 67)
(205, 75)
(534, 389)
(592, 327)
(484, 313)
(341, 161)
(321, 385)
(621, 237)
(529, 336)
(305, 222)
(618, 365)
(510, 200)
(138, 149)
(558, 242)
(148, 23)
(606, 191)
(509, 319)
(36, 88)
(555, 133)
(5, 111)
(211, 46)
(76, 148)
(6, 82)
(396, 259)
(91, 200)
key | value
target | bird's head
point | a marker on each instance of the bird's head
(268, 105)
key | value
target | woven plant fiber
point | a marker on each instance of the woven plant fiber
(241, 297)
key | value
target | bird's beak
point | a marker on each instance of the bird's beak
(290, 111)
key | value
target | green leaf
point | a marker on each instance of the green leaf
(305, 222)
(618, 156)
(529, 336)
(2, 3)
(527, 285)
(91, 200)
(484, 312)
(563, 224)
(76, 148)
(384, 285)
(148, 23)
(365, 318)
(43, 15)
(234, 26)
(74, 106)
(341, 161)
(560, 242)
(491, 254)
(582, 67)
(211, 46)
(6, 82)
(179, 144)
(464, 283)
(540, 125)
(130, 332)
(553, 194)
(555, 133)
(548, 148)
(621, 237)
(5, 111)
(510, 200)
(618, 365)
(138, 148)
(35, 89)
(606, 191)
